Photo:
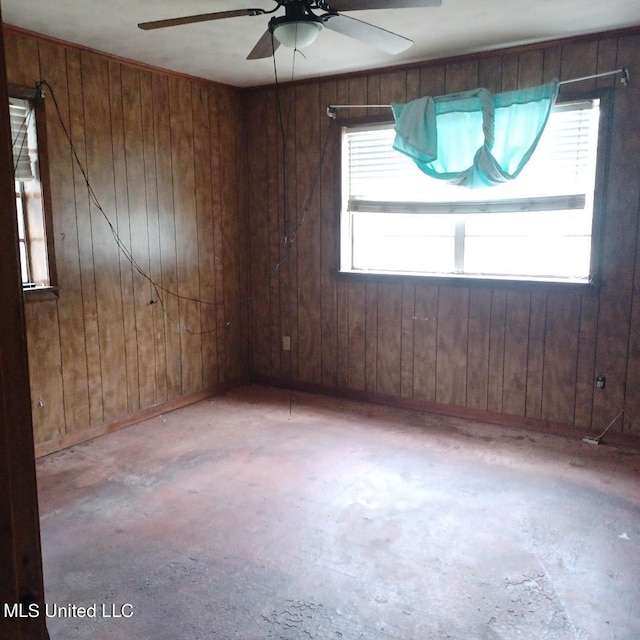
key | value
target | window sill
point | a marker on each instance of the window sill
(469, 281)
(40, 293)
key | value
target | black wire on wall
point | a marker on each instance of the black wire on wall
(159, 291)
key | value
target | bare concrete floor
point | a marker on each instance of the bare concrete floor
(236, 519)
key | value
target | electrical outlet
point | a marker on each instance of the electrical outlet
(286, 343)
(600, 382)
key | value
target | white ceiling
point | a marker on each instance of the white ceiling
(217, 50)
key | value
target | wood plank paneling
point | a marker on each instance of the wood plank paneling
(105, 254)
(77, 131)
(389, 344)
(70, 312)
(407, 339)
(260, 270)
(579, 59)
(452, 350)
(167, 224)
(275, 249)
(186, 232)
(371, 336)
(356, 301)
(560, 357)
(478, 348)
(530, 69)
(425, 345)
(164, 169)
(516, 351)
(413, 87)
(585, 375)
(461, 76)
(216, 212)
(22, 64)
(231, 118)
(490, 74)
(123, 227)
(241, 344)
(432, 80)
(535, 354)
(287, 205)
(510, 69)
(153, 232)
(552, 63)
(496, 350)
(205, 236)
(309, 317)
(47, 405)
(142, 292)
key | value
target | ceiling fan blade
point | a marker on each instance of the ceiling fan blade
(366, 5)
(203, 17)
(367, 33)
(265, 47)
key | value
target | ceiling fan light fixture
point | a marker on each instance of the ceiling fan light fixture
(297, 34)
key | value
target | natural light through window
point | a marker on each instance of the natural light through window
(395, 219)
(35, 254)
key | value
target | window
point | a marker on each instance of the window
(540, 226)
(26, 113)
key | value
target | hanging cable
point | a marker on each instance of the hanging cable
(596, 439)
(158, 288)
(283, 138)
(290, 234)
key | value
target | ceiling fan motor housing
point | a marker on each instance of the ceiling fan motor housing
(299, 27)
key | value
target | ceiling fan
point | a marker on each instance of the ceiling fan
(301, 25)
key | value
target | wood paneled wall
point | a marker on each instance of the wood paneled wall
(521, 351)
(207, 212)
(164, 155)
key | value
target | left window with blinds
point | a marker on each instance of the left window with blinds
(35, 227)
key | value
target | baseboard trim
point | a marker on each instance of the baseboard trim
(480, 415)
(627, 440)
(77, 437)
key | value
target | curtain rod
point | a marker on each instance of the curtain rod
(331, 109)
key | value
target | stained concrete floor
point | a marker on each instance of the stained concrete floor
(264, 515)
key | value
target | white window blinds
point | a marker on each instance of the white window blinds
(558, 176)
(23, 139)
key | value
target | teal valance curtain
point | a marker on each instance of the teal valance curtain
(476, 138)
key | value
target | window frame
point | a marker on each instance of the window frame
(36, 98)
(604, 95)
